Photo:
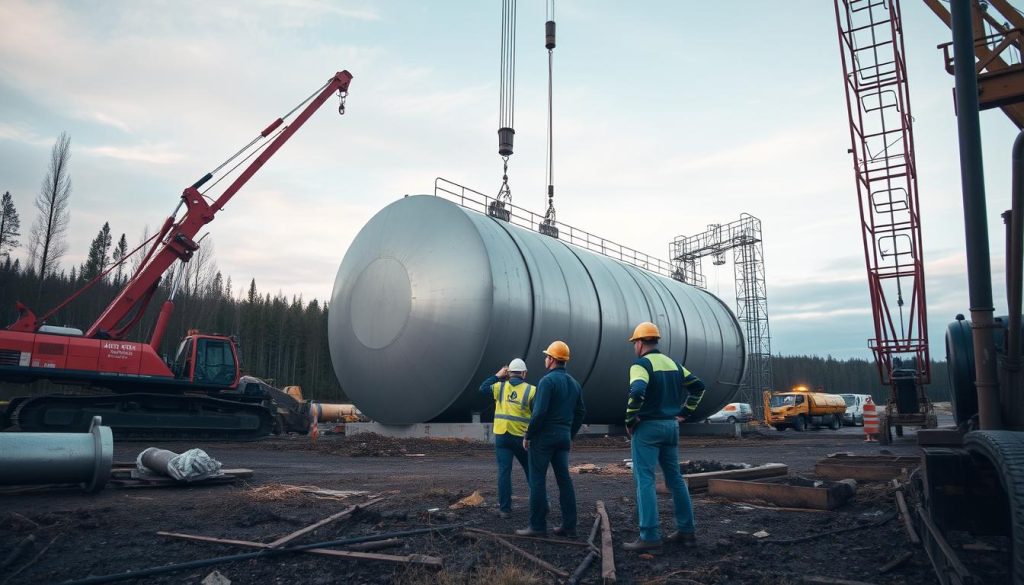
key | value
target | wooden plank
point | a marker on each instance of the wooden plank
(375, 545)
(781, 494)
(818, 580)
(700, 480)
(908, 523)
(344, 554)
(607, 552)
(884, 459)
(532, 558)
(533, 538)
(869, 472)
(344, 513)
(895, 562)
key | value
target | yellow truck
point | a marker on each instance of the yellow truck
(801, 408)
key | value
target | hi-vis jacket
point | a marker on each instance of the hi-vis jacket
(656, 387)
(513, 404)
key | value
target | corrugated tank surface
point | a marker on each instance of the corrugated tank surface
(432, 298)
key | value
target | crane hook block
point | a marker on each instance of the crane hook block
(505, 141)
(549, 34)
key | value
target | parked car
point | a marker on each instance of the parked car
(854, 415)
(732, 413)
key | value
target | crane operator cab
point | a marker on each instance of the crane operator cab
(207, 360)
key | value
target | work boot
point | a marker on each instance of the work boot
(561, 531)
(683, 538)
(529, 531)
(639, 545)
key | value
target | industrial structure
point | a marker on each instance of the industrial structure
(743, 237)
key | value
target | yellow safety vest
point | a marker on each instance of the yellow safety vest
(512, 407)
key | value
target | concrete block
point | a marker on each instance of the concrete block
(472, 431)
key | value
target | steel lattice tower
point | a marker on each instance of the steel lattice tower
(882, 139)
(743, 237)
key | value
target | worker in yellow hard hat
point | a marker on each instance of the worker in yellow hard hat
(654, 410)
(513, 404)
(558, 413)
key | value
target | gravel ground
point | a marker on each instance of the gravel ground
(77, 535)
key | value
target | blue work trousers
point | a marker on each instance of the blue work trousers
(506, 448)
(656, 442)
(551, 448)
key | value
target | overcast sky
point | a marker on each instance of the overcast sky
(669, 116)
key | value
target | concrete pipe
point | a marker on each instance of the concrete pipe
(431, 298)
(40, 458)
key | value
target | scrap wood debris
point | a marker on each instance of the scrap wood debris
(478, 534)
(471, 501)
(612, 469)
(275, 492)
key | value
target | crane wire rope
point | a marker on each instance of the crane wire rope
(549, 171)
(506, 95)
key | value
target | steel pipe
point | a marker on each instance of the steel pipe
(431, 298)
(41, 458)
(979, 275)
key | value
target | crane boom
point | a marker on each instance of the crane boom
(882, 149)
(175, 240)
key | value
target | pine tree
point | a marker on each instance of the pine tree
(119, 253)
(99, 254)
(9, 225)
(217, 286)
(254, 296)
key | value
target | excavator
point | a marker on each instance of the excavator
(200, 392)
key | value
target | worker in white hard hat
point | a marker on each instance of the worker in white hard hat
(513, 405)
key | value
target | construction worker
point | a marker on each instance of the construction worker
(653, 412)
(558, 413)
(513, 402)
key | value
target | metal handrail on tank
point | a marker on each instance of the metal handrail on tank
(481, 203)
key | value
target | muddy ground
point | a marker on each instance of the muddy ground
(75, 535)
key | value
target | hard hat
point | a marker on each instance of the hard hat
(517, 365)
(646, 330)
(558, 350)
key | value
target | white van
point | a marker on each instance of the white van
(854, 415)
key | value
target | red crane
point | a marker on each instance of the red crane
(197, 392)
(882, 149)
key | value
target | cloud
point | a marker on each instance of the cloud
(106, 120)
(24, 135)
(158, 154)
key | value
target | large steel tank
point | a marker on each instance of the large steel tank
(431, 298)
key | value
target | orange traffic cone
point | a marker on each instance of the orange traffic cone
(870, 420)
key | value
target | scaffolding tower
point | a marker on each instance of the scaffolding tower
(743, 237)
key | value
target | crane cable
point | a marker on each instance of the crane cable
(507, 94)
(549, 43)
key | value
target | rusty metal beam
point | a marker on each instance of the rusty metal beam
(1008, 12)
(1002, 84)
